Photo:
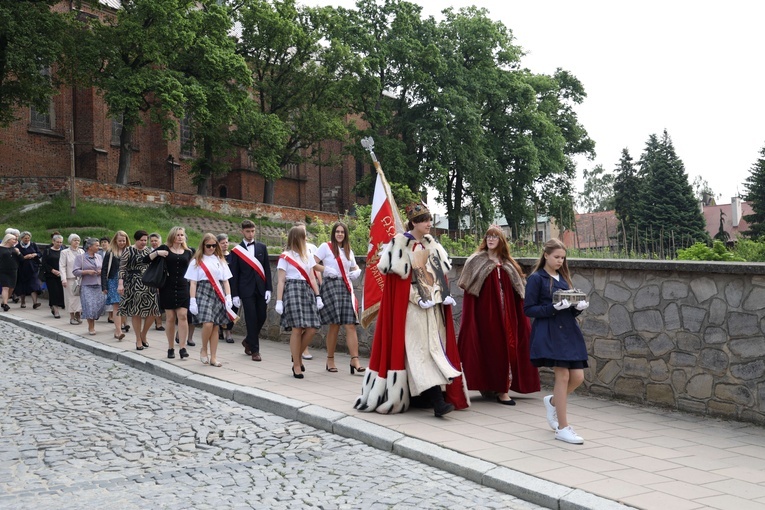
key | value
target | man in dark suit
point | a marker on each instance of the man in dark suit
(251, 286)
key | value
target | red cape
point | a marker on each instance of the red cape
(491, 340)
(388, 348)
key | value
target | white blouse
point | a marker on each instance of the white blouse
(328, 260)
(292, 272)
(218, 269)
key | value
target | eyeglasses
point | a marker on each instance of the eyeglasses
(210, 245)
(492, 237)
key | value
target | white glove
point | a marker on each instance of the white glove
(426, 304)
(319, 303)
(279, 307)
(562, 305)
(229, 301)
(355, 274)
(267, 296)
(236, 301)
(193, 308)
(449, 301)
(582, 305)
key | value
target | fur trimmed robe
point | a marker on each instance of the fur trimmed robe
(494, 333)
(413, 349)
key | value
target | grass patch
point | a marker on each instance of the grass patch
(94, 219)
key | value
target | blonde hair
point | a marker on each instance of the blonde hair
(113, 246)
(8, 236)
(550, 246)
(296, 241)
(171, 237)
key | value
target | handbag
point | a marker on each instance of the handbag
(156, 274)
(77, 287)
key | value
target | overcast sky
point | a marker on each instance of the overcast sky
(695, 68)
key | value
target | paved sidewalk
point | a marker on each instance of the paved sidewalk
(638, 456)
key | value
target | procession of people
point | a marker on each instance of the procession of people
(419, 357)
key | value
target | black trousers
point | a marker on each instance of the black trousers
(255, 309)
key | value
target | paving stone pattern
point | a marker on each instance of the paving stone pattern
(78, 431)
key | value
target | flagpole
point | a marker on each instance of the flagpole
(369, 144)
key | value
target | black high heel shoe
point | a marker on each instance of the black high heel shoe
(302, 367)
(333, 369)
(360, 370)
(296, 376)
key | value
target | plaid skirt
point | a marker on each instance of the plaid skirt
(338, 307)
(299, 306)
(211, 308)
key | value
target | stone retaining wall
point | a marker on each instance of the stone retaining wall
(684, 335)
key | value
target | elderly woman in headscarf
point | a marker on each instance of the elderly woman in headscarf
(51, 260)
(88, 269)
(28, 283)
(68, 279)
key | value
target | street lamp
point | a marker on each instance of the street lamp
(171, 170)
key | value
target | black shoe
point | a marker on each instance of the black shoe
(230, 340)
(6, 307)
(171, 353)
(191, 343)
(125, 328)
(177, 341)
(440, 406)
(15, 299)
(183, 353)
(510, 402)
(159, 328)
(296, 376)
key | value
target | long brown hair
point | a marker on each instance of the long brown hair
(296, 241)
(208, 238)
(345, 245)
(503, 248)
(550, 246)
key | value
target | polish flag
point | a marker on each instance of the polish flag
(385, 223)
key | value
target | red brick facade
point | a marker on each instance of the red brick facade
(28, 149)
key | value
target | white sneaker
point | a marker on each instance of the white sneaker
(568, 435)
(552, 414)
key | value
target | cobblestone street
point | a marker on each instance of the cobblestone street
(78, 431)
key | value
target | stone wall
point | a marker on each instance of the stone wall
(683, 335)
(41, 188)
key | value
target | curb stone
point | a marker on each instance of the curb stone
(526, 487)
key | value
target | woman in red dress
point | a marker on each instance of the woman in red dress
(494, 334)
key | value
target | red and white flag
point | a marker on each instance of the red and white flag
(385, 223)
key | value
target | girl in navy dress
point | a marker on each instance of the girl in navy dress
(556, 340)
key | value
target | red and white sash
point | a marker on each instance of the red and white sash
(245, 255)
(218, 291)
(346, 280)
(300, 269)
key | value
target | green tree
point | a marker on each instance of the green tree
(755, 195)
(598, 192)
(300, 79)
(137, 52)
(33, 40)
(668, 216)
(627, 190)
(216, 79)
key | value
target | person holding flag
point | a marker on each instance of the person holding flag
(337, 263)
(297, 296)
(210, 295)
(251, 286)
(414, 351)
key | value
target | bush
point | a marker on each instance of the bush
(751, 251)
(700, 251)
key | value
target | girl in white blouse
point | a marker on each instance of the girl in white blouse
(297, 296)
(210, 302)
(338, 264)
